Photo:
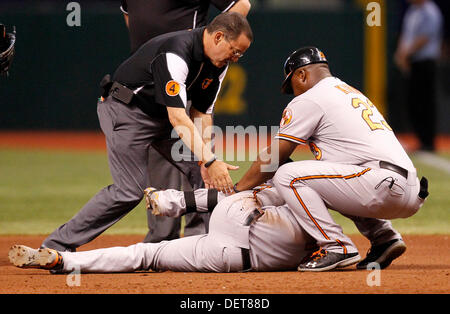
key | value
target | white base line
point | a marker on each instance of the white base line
(433, 160)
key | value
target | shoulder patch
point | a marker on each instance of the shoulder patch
(172, 88)
(286, 117)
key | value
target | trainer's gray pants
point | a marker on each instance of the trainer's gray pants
(129, 133)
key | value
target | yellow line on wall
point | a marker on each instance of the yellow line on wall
(375, 57)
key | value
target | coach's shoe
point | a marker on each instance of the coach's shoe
(323, 260)
(151, 200)
(25, 257)
(383, 254)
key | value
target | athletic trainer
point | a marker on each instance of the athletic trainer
(146, 98)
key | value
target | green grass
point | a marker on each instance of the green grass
(40, 190)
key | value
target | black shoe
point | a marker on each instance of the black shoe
(383, 254)
(323, 260)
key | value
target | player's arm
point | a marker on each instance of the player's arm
(297, 124)
(403, 52)
(265, 166)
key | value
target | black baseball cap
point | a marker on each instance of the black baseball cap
(299, 58)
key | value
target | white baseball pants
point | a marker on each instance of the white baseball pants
(311, 187)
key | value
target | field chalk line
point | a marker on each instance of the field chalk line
(433, 160)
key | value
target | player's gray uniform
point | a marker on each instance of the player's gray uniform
(274, 241)
(349, 138)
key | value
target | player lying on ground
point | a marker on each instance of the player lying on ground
(251, 230)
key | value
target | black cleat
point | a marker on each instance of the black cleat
(323, 260)
(383, 254)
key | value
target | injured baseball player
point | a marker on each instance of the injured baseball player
(249, 231)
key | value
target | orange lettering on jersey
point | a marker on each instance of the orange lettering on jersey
(286, 117)
(206, 83)
(172, 88)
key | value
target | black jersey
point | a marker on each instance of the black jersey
(172, 70)
(150, 18)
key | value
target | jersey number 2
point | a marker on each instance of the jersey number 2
(367, 114)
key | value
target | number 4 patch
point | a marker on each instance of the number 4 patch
(172, 88)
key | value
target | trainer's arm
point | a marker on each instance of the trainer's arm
(218, 170)
(265, 166)
(204, 121)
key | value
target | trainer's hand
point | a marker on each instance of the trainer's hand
(219, 176)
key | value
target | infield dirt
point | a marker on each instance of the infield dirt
(424, 268)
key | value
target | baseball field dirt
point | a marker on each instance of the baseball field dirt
(424, 268)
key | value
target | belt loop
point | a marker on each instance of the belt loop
(246, 262)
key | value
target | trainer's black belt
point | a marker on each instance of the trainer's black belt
(116, 90)
(401, 171)
(121, 93)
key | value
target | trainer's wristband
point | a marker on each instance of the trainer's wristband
(235, 188)
(210, 162)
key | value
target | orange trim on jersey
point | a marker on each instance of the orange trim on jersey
(336, 176)
(291, 137)
(262, 187)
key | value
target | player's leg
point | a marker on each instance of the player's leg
(386, 242)
(175, 203)
(377, 231)
(421, 90)
(202, 253)
(140, 256)
(128, 134)
(427, 95)
(309, 203)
